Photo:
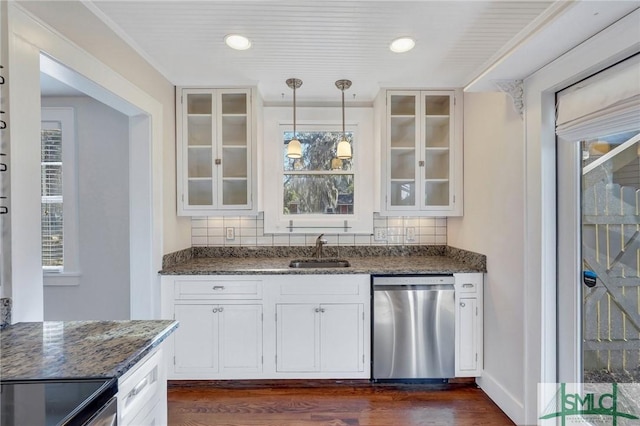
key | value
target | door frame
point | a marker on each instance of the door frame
(569, 369)
(611, 45)
(28, 38)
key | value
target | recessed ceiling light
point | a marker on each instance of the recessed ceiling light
(402, 44)
(237, 42)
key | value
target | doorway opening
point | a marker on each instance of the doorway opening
(598, 152)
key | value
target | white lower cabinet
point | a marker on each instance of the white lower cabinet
(320, 337)
(268, 326)
(469, 324)
(292, 326)
(142, 392)
(218, 338)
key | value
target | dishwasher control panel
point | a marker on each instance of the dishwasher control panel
(415, 280)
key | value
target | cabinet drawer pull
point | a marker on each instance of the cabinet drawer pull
(218, 287)
(139, 387)
(467, 285)
(462, 304)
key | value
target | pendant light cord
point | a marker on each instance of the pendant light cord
(344, 133)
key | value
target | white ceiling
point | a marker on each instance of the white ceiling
(320, 41)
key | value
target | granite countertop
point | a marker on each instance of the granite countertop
(431, 260)
(77, 349)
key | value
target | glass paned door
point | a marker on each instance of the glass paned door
(403, 132)
(199, 128)
(437, 142)
(234, 131)
(611, 258)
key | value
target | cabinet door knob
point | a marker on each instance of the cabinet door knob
(218, 287)
(462, 305)
(218, 161)
(215, 310)
(421, 163)
(220, 309)
(321, 309)
(317, 309)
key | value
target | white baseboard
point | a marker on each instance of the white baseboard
(508, 403)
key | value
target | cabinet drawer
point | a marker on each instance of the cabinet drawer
(328, 288)
(218, 289)
(468, 283)
(140, 388)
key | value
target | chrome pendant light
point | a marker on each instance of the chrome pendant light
(294, 149)
(343, 151)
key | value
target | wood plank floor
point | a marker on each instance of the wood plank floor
(329, 403)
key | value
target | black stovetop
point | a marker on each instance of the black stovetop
(53, 402)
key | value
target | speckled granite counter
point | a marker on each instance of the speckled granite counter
(77, 349)
(399, 260)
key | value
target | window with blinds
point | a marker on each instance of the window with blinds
(52, 196)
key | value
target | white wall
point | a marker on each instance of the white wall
(73, 20)
(493, 224)
(102, 135)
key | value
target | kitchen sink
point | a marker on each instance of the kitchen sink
(319, 263)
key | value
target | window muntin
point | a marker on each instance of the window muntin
(318, 183)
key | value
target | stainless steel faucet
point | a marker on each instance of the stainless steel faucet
(319, 243)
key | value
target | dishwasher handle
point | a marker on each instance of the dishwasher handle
(418, 287)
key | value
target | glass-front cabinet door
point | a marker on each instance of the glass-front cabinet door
(423, 152)
(215, 172)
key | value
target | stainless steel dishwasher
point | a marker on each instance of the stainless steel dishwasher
(413, 327)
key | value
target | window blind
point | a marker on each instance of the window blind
(52, 200)
(608, 102)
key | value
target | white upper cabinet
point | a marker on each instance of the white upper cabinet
(422, 153)
(216, 159)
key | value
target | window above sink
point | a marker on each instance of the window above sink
(318, 193)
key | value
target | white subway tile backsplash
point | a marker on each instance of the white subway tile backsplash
(232, 221)
(411, 221)
(216, 232)
(281, 240)
(248, 222)
(265, 240)
(199, 241)
(215, 222)
(297, 240)
(395, 222)
(346, 239)
(248, 241)
(199, 222)
(198, 232)
(363, 240)
(249, 231)
(216, 240)
(395, 239)
(427, 221)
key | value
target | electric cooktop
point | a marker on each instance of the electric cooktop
(53, 402)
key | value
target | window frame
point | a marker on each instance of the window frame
(361, 221)
(69, 274)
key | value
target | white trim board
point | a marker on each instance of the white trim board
(608, 47)
(102, 83)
